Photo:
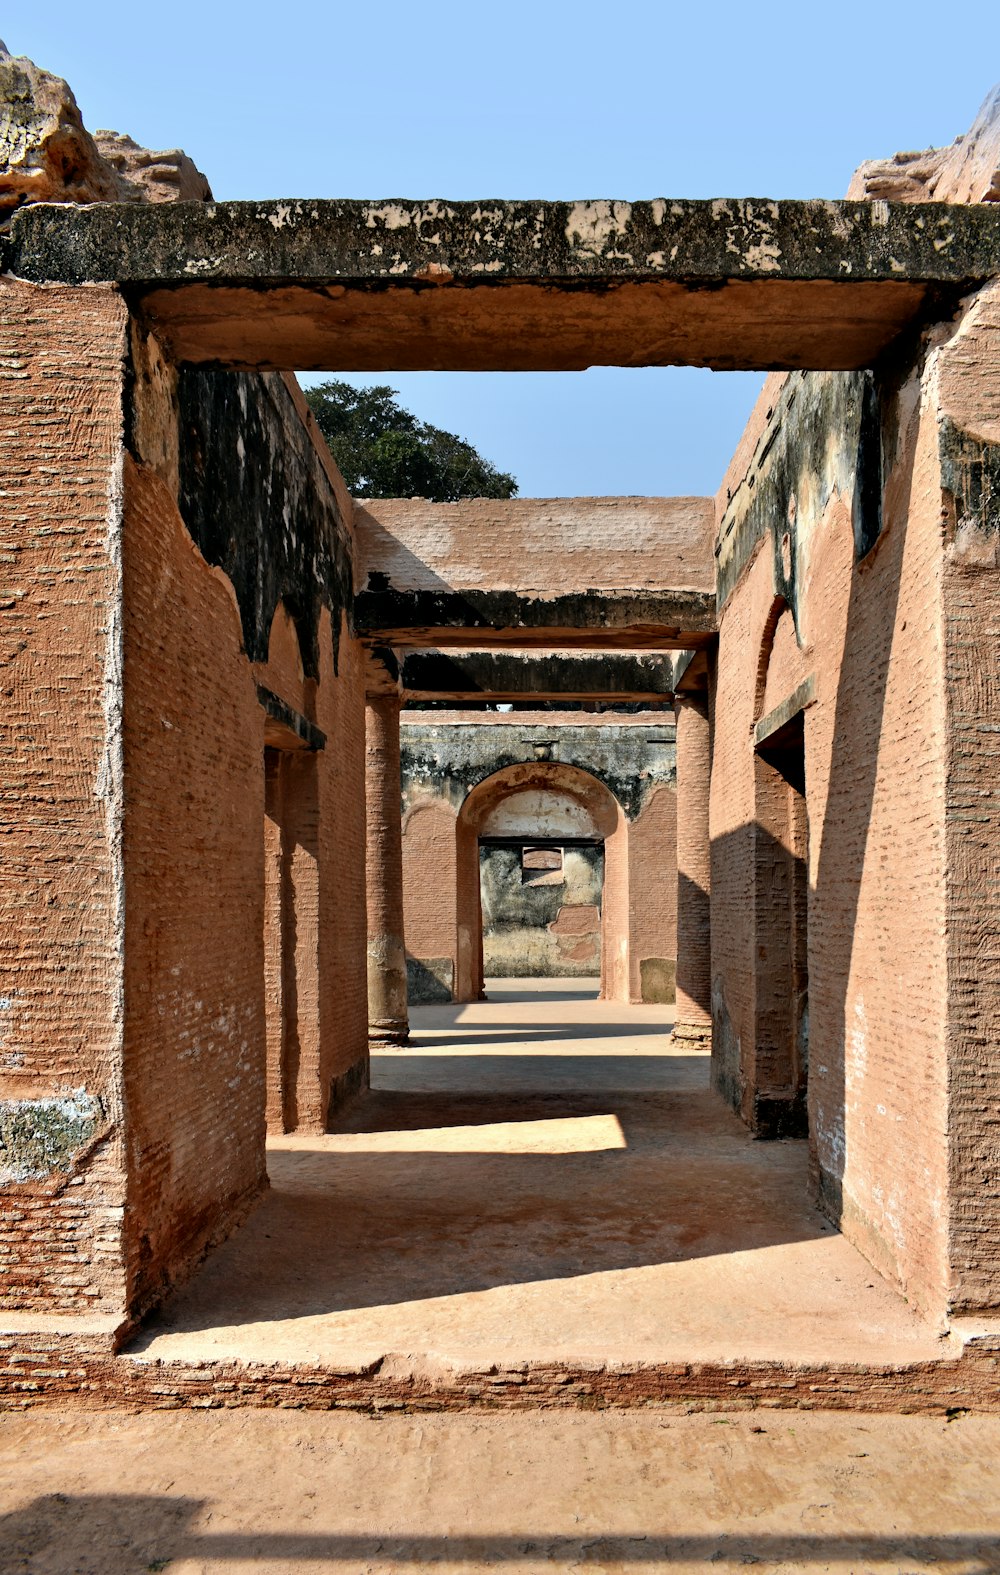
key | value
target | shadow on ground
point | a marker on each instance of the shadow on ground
(63, 1534)
(463, 1204)
(540, 1033)
(590, 1199)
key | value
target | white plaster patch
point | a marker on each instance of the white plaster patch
(109, 787)
(592, 226)
(765, 257)
(390, 216)
(856, 1051)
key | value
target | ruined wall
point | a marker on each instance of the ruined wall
(193, 850)
(541, 922)
(446, 755)
(62, 355)
(830, 589)
(895, 606)
(234, 533)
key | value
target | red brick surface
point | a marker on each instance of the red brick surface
(61, 391)
(194, 1029)
(871, 636)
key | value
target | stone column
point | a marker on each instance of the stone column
(388, 1023)
(694, 928)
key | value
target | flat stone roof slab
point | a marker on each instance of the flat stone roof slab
(511, 675)
(336, 285)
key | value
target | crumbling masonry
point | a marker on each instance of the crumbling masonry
(209, 896)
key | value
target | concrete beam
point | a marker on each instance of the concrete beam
(330, 285)
(601, 620)
(509, 675)
(622, 573)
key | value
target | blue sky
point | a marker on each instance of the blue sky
(534, 100)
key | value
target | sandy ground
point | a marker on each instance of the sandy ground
(539, 1177)
(268, 1493)
(536, 1176)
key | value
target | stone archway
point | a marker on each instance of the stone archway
(573, 798)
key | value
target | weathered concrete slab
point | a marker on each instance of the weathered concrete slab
(508, 675)
(729, 283)
(629, 573)
(665, 620)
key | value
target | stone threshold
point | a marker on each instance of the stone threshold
(40, 1369)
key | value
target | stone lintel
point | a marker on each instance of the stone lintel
(605, 620)
(286, 728)
(354, 285)
(799, 700)
(510, 675)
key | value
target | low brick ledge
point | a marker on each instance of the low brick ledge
(45, 1372)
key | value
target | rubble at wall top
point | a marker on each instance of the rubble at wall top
(48, 155)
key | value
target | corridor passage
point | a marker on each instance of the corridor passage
(537, 1178)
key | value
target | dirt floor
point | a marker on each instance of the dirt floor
(540, 1177)
(536, 1177)
(268, 1493)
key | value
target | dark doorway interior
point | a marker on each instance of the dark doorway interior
(781, 920)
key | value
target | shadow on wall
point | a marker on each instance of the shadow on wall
(858, 731)
(430, 981)
(694, 902)
(61, 1531)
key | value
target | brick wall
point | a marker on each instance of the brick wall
(430, 876)
(969, 423)
(869, 634)
(197, 1016)
(194, 1037)
(652, 857)
(61, 1198)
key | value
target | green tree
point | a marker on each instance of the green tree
(385, 452)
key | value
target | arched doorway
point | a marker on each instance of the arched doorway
(543, 805)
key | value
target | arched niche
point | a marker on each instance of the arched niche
(284, 671)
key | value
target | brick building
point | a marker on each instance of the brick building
(209, 892)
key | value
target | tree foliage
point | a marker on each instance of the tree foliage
(383, 451)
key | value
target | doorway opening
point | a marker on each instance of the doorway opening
(291, 913)
(541, 904)
(543, 888)
(781, 916)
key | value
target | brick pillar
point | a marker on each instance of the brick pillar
(388, 1022)
(694, 929)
